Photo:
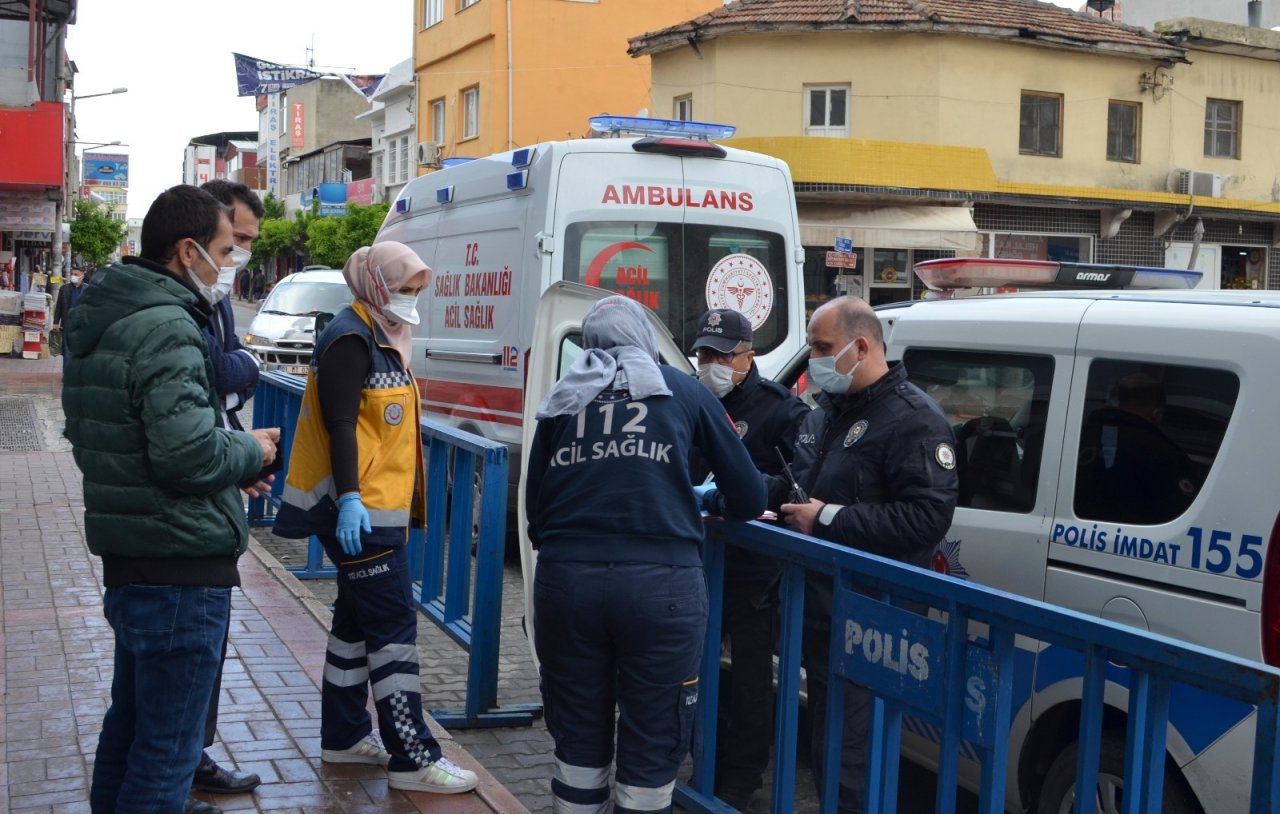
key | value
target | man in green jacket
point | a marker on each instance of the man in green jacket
(161, 491)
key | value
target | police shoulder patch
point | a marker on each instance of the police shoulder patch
(945, 455)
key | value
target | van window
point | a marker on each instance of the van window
(676, 269)
(997, 404)
(1149, 436)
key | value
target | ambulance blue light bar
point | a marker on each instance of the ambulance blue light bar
(641, 126)
(518, 179)
(402, 205)
(444, 195)
(522, 158)
(949, 274)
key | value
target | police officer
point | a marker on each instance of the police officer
(620, 601)
(878, 463)
(766, 416)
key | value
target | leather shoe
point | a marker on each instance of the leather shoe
(213, 778)
(194, 806)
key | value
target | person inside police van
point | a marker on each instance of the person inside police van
(356, 482)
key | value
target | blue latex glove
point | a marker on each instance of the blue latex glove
(701, 491)
(352, 517)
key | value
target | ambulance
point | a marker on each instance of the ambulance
(651, 209)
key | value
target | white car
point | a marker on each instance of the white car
(283, 333)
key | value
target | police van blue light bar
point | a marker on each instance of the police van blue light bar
(444, 195)
(641, 126)
(994, 272)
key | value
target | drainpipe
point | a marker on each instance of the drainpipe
(510, 83)
(1255, 13)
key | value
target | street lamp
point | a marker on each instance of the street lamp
(112, 92)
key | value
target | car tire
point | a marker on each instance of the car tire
(1057, 794)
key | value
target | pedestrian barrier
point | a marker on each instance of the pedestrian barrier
(471, 614)
(948, 659)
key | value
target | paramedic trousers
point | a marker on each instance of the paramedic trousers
(624, 635)
(857, 702)
(373, 643)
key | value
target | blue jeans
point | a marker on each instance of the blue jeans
(168, 643)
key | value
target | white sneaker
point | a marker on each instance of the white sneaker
(442, 777)
(368, 750)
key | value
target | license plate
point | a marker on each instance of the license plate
(295, 370)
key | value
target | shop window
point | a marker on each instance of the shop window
(683, 108)
(1040, 125)
(890, 279)
(1149, 437)
(470, 113)
(1124, 122)
(1221, 129)
(826, 110)
(998, 404)
(1063, 248)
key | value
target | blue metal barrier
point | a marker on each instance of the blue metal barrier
(953, 667)
(441, 556)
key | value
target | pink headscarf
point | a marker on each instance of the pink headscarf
(373, 273)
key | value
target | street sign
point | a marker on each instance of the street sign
(842, 260)
(844, 244)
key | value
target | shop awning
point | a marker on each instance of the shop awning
(947, 228)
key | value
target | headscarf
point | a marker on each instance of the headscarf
(621, 351)
(373, 273)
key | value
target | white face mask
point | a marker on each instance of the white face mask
(717, 378)
(240, 257)
(822, 372)
(222, 288)
(210, 292)
(75, 279)
(403, 308)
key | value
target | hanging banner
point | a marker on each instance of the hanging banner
(105, 169)
(366, 84)
(273, 144)
(255, 77)
(27, 212)
(296, 123)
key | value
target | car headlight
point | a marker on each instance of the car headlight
(249, 339)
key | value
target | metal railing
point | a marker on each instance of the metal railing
(960, 637)
(441, 557)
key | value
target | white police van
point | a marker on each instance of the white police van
(1113, 446)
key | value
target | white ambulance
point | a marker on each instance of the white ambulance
(668, 218)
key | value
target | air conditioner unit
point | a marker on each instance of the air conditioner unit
(1202, 184)
(428, 154)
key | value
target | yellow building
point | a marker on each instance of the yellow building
(498, 74)
(1006, 128)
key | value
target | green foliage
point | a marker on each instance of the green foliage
(325, 241)
(274, 207)
(94, 235)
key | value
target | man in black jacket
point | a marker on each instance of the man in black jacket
(766, 416)
(878, 463)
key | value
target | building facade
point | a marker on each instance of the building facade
(494, 75)
(394, 129)
(1004, 128)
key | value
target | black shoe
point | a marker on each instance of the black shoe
(741, 799)
(194, 806)
(213, 778)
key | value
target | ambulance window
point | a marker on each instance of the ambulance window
(997, 404)
(570, 351)
(1148, 439)
(680, 270)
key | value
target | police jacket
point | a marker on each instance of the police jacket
(160, 474)
(388, 441)
(612, 484)
(235, 369)
(883, 461)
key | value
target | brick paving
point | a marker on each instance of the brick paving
(56, 657)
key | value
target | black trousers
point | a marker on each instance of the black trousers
(746, 712)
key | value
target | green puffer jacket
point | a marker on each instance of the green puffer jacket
(160, 474)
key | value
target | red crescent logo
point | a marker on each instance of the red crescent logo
(606, 254)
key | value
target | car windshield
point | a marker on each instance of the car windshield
(307, 298)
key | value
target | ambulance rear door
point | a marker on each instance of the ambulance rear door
(556, 344)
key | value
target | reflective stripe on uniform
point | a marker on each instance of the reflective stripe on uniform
(307, 499)
(639, 798)
(388, 518)
(397, 682)
(392, 652)
(580, 777)
(579, 789)
(559, 806)
(345, 650)
(339, 677)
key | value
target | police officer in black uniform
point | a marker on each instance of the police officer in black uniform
(766, 416)
(878, 462)
(620, 600)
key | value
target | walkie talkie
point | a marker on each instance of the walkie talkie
(797, 494)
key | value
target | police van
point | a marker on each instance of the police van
(1113, 447)
(652, 209)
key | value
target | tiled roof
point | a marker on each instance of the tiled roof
(1028, 20)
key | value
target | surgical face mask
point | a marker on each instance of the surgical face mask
(403, 308)
(822, 372)
(717, 378)
(240, 257)
(222, 288)
(76, 278)
(210, 292)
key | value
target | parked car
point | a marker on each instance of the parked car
(283, 333)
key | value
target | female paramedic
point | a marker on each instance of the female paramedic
(620, 602)
(356, 481)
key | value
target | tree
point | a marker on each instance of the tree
(95, 236)
(330, 240)
(274, 207)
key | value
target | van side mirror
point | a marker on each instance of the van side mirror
(322, 321)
